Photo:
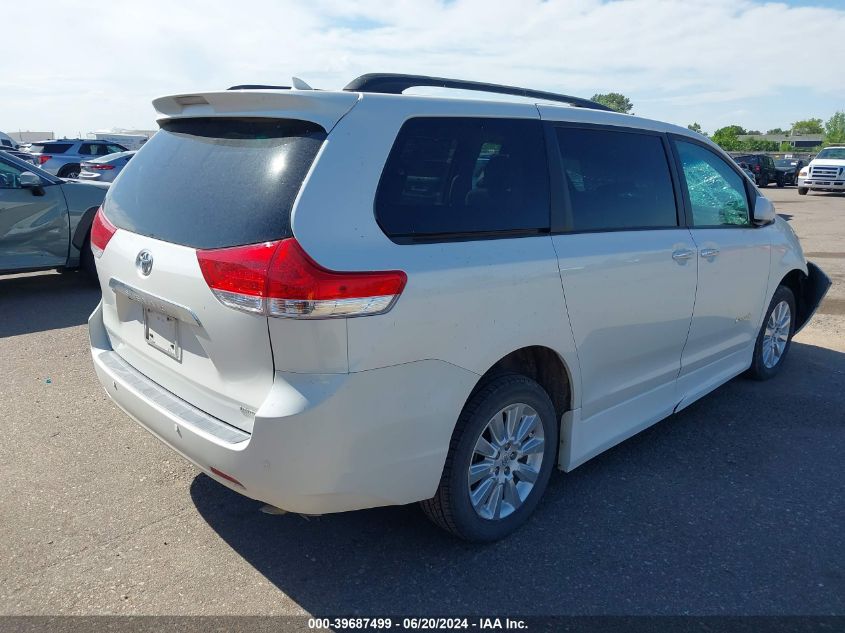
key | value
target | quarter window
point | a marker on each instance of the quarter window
(716, 192)
(449, 177)
(616, 180)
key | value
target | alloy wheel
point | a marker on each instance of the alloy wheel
(776, 335)
(506, 461)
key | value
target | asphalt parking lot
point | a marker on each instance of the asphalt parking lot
(734, 506)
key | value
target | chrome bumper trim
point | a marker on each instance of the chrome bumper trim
(176, 310)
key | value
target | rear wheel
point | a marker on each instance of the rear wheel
(500, 459)
(69, 171)
(802, 191)
(762, 181)
(775, 335)
(86, 259)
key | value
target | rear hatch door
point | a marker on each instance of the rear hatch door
(200, 183)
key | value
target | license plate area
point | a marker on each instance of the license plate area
(161, 331)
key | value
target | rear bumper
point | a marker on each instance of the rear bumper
(320, 442)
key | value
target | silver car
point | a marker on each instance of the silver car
(44, 221)
(106, 168)
(63, 157)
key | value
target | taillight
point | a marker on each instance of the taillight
(101, 232)
(99, 166)
(756, 167)
(43, 158)
(279, 279)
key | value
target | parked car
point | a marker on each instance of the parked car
(44, 221)
(7, 142)
(789, 168)
(325, 306)
(105, 169)
(763, 167)
(63, 157)
(826, 172)
(26, 156)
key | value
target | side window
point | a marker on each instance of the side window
(87, 149)
(716, 192)
(113, 149)
(447, 176)
(9, 176)
(617, 180)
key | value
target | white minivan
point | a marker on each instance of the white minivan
(333, 300)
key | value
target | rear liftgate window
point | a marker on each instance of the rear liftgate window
(464, 177)
(216, 182)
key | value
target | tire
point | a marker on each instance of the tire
(779, 325)
(763, 182)
(70, 171)
(86, 260)
(780, 181)
(802, 191)
(452, 507)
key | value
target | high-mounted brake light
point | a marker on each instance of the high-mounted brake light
(279, 279)
(43, 158)
(101, 232)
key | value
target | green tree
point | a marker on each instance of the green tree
(834, 129)
(808, 126)
(756, 132)
(695, 127)
(726, 137)
(776, 130)
(615, 101)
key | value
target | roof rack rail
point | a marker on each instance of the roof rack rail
(257, 87)
(392, 83)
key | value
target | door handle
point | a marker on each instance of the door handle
(709, 252)
(682, 254)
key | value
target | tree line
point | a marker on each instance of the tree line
(833, 130)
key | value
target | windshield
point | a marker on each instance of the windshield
(217, 182)
(837, 153)
(786, 162)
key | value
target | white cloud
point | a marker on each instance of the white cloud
(74, 67)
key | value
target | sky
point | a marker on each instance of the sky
(72, 67)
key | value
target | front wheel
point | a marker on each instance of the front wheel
(500, 459)
(802, 191)
(775, 335)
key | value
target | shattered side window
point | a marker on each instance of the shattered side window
(716, 192)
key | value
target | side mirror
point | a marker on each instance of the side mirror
(28, 180)
(764, 211)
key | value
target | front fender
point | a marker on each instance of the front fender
(813, 289)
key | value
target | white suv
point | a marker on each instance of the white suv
(338, 300)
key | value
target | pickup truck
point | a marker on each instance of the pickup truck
(826, 172)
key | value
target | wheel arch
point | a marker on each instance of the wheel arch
(542, 364)
(83, 227)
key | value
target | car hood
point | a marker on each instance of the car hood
(828, 162)
(84, 195)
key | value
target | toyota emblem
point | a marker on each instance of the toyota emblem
(144, 262)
